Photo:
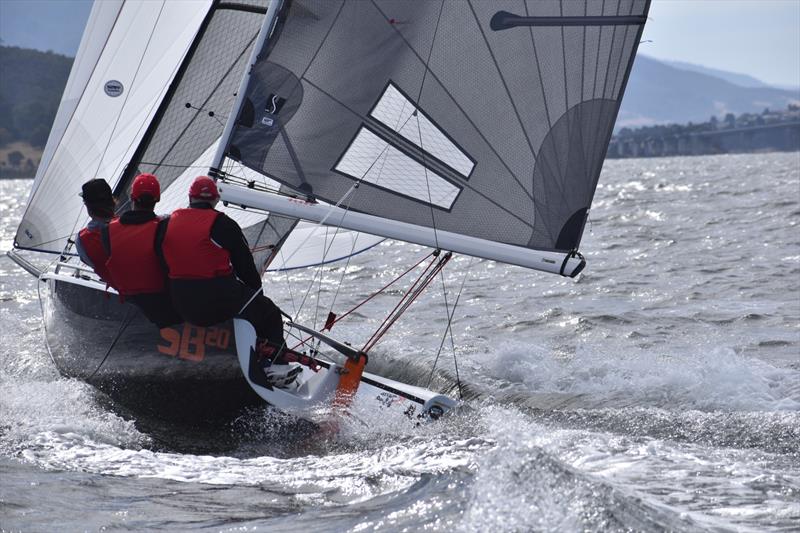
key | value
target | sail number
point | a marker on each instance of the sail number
(190, 342)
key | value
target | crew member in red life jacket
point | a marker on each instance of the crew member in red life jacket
(211, 270)
(133, 264)
(99, 204)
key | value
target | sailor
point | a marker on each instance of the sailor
(212, 274)
(133, 264)
(99, 203)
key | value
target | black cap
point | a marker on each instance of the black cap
(96, 192)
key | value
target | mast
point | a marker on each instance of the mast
(261, 40)
(566, 264)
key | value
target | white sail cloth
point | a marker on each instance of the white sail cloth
(129, 53)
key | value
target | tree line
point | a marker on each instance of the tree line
(31, 83)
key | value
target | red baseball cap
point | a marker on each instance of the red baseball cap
(146, 184)
(203, 188)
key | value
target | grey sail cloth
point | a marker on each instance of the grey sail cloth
(444, 122)
(193, 114)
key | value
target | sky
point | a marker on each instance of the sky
(55, 25)
(756, 37)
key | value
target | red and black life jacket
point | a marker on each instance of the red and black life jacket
(92, 243)
(188, 249)
(133, 263)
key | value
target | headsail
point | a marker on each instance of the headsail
(117, 80)
(445, 121)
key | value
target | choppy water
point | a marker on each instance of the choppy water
(659, 391)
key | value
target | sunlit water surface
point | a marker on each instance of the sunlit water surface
(659, 390)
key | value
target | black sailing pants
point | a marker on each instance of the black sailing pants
(205, 302)
(157, 307)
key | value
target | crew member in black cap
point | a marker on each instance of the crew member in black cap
(99, 203)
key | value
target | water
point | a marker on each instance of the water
(659, 391)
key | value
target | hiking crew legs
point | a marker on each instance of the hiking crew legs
(157, 307)
(205, 302)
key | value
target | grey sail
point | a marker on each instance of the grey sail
(485, 119)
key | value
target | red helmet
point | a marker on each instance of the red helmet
(145, 184)
(203, 188)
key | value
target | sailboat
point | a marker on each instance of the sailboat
(474, 128)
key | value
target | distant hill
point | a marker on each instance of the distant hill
(31, 83)
(659, 93)
(742, 80)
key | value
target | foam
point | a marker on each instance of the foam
(711, 379)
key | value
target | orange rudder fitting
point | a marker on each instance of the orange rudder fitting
(349, 379)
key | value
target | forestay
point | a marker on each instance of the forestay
(488, 120)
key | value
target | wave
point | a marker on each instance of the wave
(705, 380)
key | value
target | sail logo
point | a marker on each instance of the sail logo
(274, 104)
(113, 88)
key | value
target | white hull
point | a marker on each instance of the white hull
(377, 398)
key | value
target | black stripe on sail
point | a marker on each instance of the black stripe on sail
(503, 20)
(235, 6)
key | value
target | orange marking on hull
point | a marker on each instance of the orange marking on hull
(173, 339)
(193, 336)
(349, 380)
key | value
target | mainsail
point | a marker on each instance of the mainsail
(483, 122)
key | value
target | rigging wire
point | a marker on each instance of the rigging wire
(448, 312)
(419, 127)
(417, 288)
(376, 293)
(449, 329)
(125, 323)
(349, 195)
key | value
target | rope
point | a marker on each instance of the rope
(370, 297)
(419, 127)
(413, 293)
(374, 294)
(399, 303)
(41, 307)
(449, 329)
(253, 297)
(125, 323)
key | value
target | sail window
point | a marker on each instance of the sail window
(397, 112)
(370, 158)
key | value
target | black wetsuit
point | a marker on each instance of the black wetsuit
(206, 302)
